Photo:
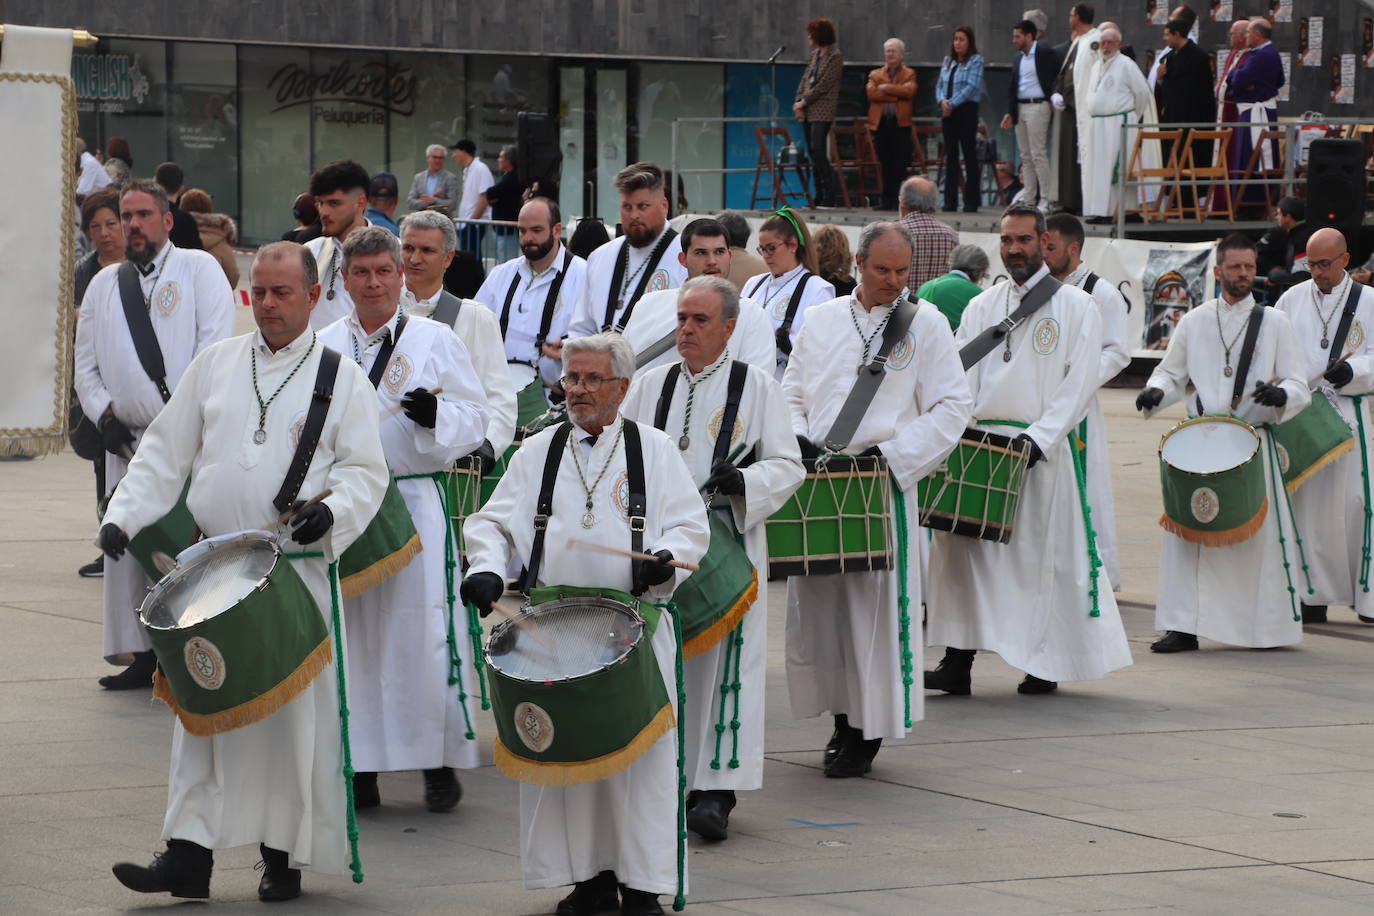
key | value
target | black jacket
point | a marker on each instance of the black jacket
(1185, 91)
(184, 233)
(1046, 69)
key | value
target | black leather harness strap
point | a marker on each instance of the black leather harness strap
(311, 430)
(544, 507)
(136, 313)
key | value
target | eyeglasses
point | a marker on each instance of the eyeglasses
(588, 382)
(767, 250)
(1324, 264)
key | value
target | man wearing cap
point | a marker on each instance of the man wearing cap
(382, 198)
(434, 188)
(476, 179)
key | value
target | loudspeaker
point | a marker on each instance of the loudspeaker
(1336, 187)
(539, 159)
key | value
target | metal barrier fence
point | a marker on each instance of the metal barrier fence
(493, 241)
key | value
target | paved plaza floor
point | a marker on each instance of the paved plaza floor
(1219, 781)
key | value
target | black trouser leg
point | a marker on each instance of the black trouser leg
(893, 155)
(99, 465)
(817, 147)
(968, 143)
(949, 127)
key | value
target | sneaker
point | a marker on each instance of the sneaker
(94, 569)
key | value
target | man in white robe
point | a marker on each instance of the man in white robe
(1036, 601)
(705, 252)
(1237, 594)
(845, 631)
(1063, 255)
(760, 470)
(190, 306)
(1117, 95)
(1330, 506)
(409, 704)
(278, 782)
(340, 190)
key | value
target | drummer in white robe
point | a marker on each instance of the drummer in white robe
(1117, 95)
(340, 192)
(278, 782)
(785, 246)
(761, 470)
(653, 327)
(1330, 506)
(1238, 594)
(621, 829)
(190, 306)
(1036, 601)
(843, 631)
(1063, 255)
(411, 708)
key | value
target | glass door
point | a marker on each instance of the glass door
(573, 190)
(612, 140)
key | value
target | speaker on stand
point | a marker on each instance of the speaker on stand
(539, 159)
(1336, 189)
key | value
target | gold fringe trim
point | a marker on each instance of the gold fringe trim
(32, 446)
(1320, 463)
(256, 709)
(383, 569)
(1225, 538)
(549, 773)
(707, 639)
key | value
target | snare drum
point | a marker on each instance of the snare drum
(839, 520)
(386, 546)
(236, 632)
(1310, 441)
(581, 697)
(155, 547)
(713, 600)
(977, 489)
(1213, 481)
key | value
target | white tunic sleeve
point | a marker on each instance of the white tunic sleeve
(777, 470)
(461, 423)
(1171, 375)
(943, 399)
(90, 324)
(488, 355)
(1115, 354)
(214, 299)
(1069, 401)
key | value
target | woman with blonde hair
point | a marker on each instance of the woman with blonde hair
(218, 234)
(834, 260)
(790, 286)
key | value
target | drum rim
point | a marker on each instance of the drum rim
(583, 601)
(162, 584)
(1193, 421)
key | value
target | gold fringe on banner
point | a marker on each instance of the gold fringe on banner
(388, 566)
(549, 773)
(708, 638)
(1225, 538)
(1320, 463)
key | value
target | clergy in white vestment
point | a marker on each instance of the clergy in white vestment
(652, 330)
(753, 468)
(1241, 594)
(791, 285)
(641, 261)
(1117, 95)
(340, 191)
(428, 243)
(1036, 601)
(620, 830)
(1063, 255)
(410, 691)
(189, 305)
(1330, 505)
(231, 428)
(844, 631)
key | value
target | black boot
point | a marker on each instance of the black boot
(855, 757)
(1175, 641)
(710, 816)
(954, 674)
(837, 737)
(595, 895)
(182, 871)
(365, 791)
(279, 881)
(442, 790)
(139, 674)
(1034, 685)
(638, 903)
(1314, 613)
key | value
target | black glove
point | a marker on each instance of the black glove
(808, 448)
(725, 479)
(114, 435)
(486, 457)
(308, 525)
(871, 452)
(784, 341)
(1035, 454)
(113, 540)
(482, 590)
(1149, 399)
(655, 572)
(1340, 374)
(1269, 395)
(421, 407)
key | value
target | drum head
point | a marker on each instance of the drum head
(1208, 446)
(211, 583)
(565, 639)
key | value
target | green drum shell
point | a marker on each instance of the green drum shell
(1216, 508)
(386, 546)
(1310, 441)
(819, 532)
(530, 402)
(976, 490)
(156, 547)
(712, 600)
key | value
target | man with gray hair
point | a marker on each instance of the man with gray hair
(891, 89)
(731, 423)
(931, 240)
(619, 484)
(950, 293)
(434, 187)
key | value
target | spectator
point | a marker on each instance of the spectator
(890, 90)
(1039, 18)
(382, 197)
(476, 180)
(1283, 247)
(218, 234)
(958, 92)
(951, 293)
(743, 262)
(834, 260)
(184, 232)
(307, 220)
(504, 199)
(119, 162)
(1034, 70)
(931, 240)
(435, 188)
(1008, 183)
(817, 95)
(1181, 13)
(1364, 274)
(1185, 93)
(589, 235)
(100, 222)
(677, 202)
(1077, 57)
(90, 177)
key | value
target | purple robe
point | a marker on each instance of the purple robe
(1255, 83)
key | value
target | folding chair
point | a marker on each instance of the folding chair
(1165, 208)
(1272, 192)
(777, 173)
(864, 162)
(1191, 171)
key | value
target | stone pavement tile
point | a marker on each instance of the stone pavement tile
(1354, 869)
(23, 900)
(1300, 845)
(1259, 890)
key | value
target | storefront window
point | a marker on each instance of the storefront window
(275, 139)
(670, 91)
(205, 120)
(500, 88)
(434, 113)
(122, 92)
(353, 93)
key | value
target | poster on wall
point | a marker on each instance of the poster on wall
(1280, 10)
(1156, 12)
(1287, 60)
(1343, 79)
(1310, 30)
(1222, 10)
(1367, 42)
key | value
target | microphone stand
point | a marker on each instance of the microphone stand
(778, 198)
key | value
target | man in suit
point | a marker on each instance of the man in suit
(435, 188)
(1034, 69)
(891, 88)
(1185, 92)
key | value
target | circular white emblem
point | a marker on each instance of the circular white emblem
(1356, 339)
(397, 373)
(204, 662)
(902, 352)
(1283, 458)
(620, 494)
(713, 427)
(534, 726)
(1204, 504)
(1045, 337)
(658, 281)
(167, 297)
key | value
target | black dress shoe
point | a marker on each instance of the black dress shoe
(1364, 619)
(837, 739)
(442, 790)
(94, 569)
(855, 757)
(710, 816)
(139, 674)
(279, 881)
(1314, 613)
(1175, 641)
(182, 871)
(595, 895)
(1034, 685)
(954, 674)
(638, 903)
(365, 791)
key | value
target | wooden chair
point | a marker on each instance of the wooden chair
(921, 160)
(1272, 192)
(777, 173)
(868, 173)
(1169, 205)
(1190, 170)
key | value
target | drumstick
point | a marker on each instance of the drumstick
(290, 513)
(398, 408)
(1321, 375)
(604, 548)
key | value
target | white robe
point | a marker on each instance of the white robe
(192, 307)
(1118, 95)
(843, 641)
(668, 273)
(1085, 54)
(278, 781)
(1029, 600)
(527, 308)
(627, 822)
(405, 714)
(764, 427)
(1329, 506)
(1238, 594)
(656, 315)
(773, 294)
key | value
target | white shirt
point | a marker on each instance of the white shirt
(1028, 81)
(476, 180)
(668, 273)
(527, 307)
